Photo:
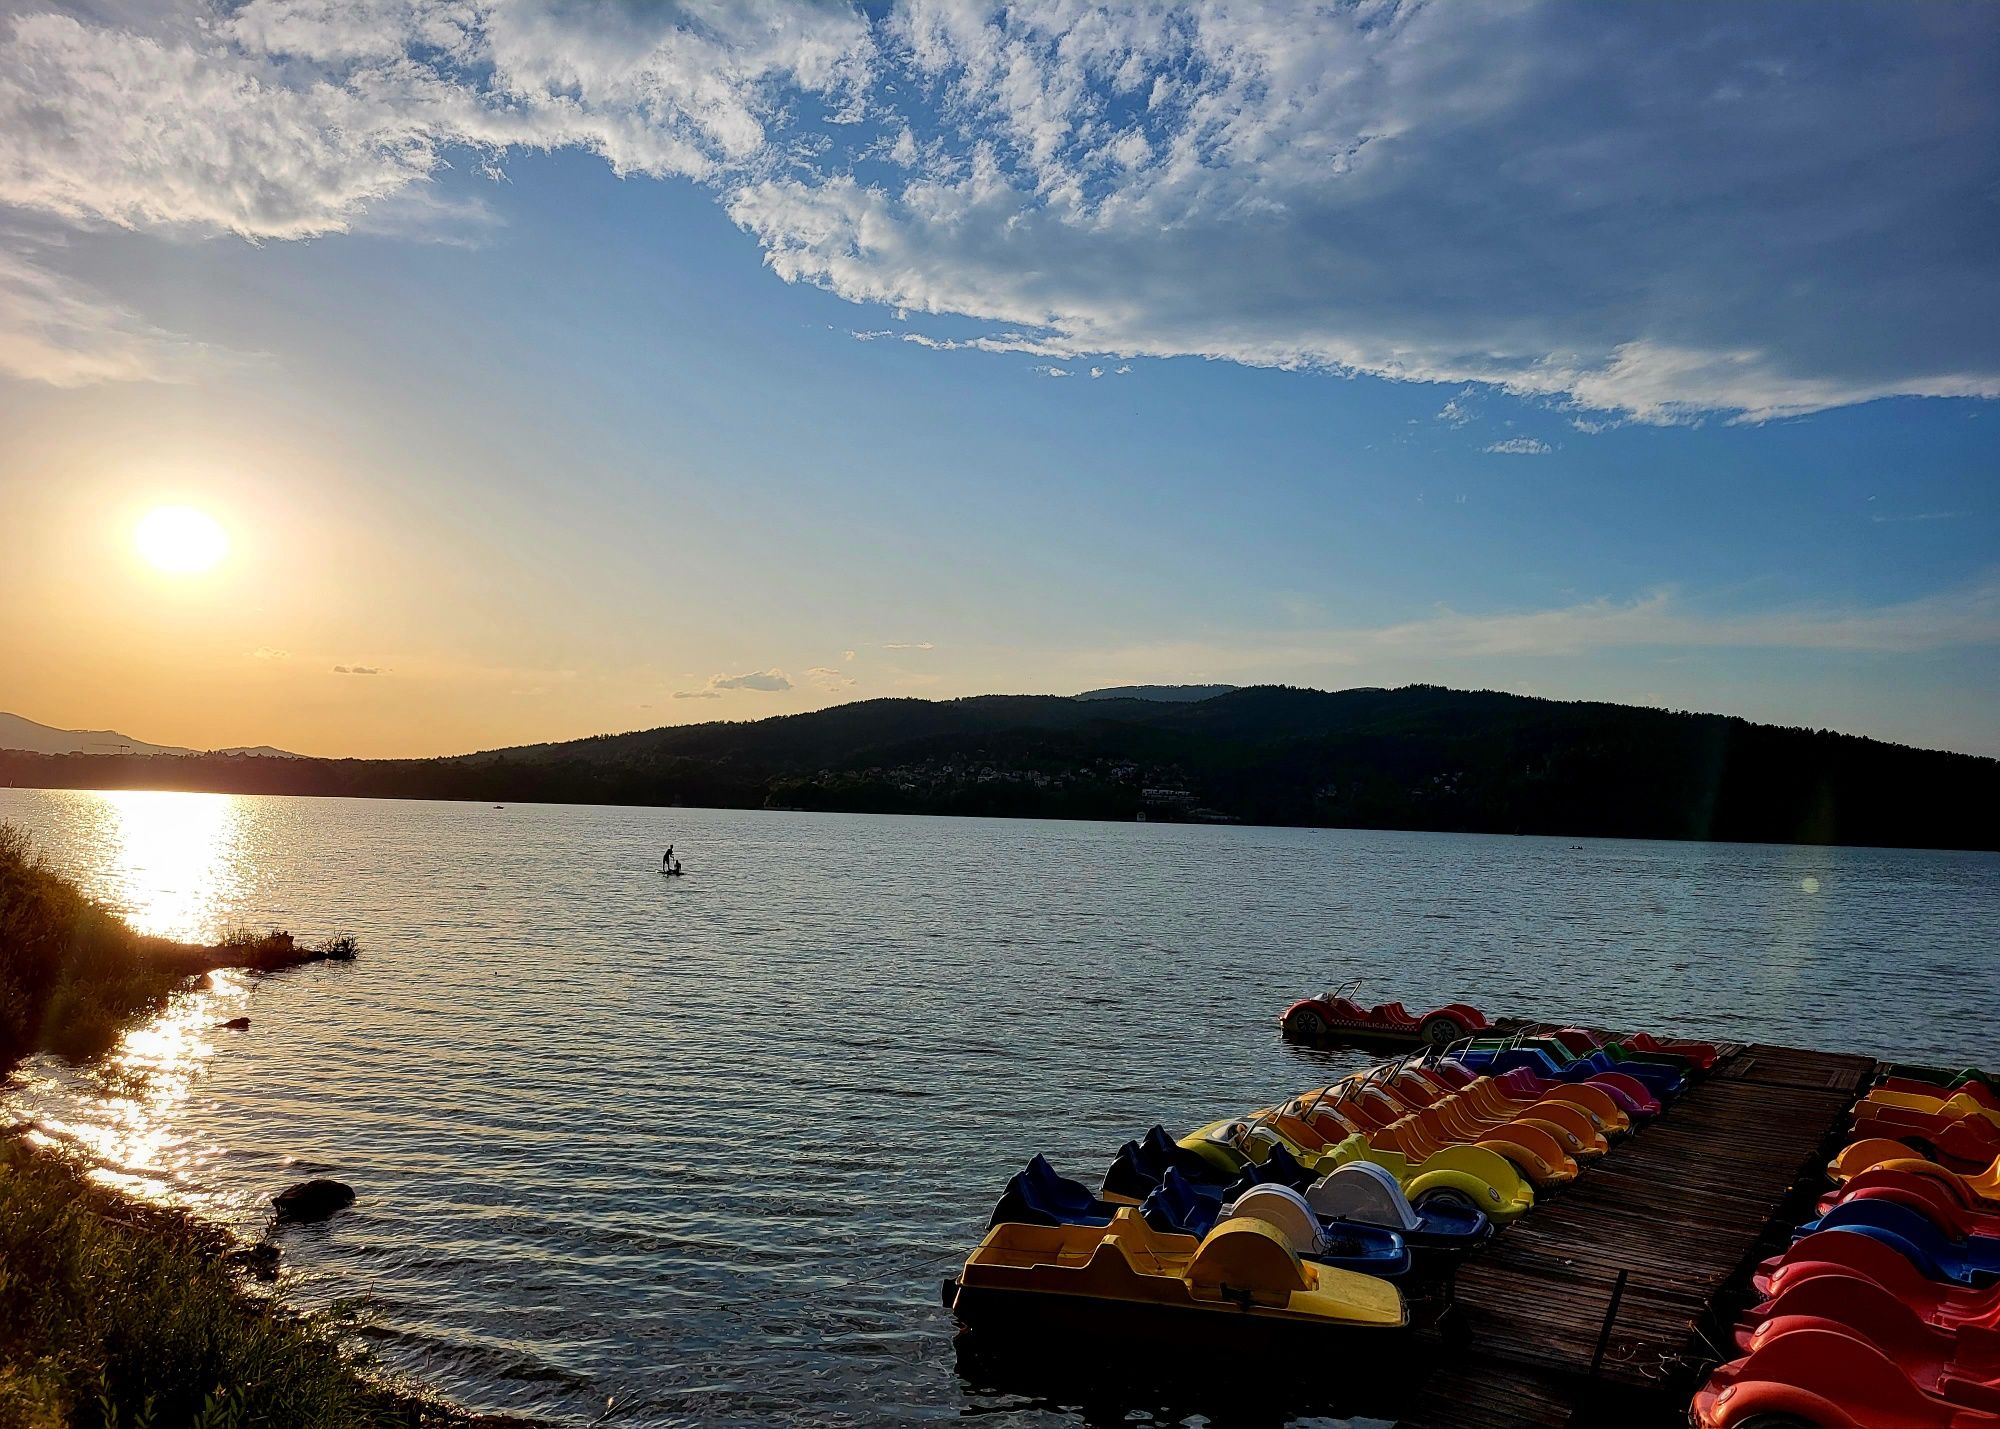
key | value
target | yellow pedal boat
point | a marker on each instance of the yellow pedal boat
(1482, 1179)
(1128, 1281)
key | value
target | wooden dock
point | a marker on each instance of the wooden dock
(1679, 1209)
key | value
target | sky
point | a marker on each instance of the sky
(555, 367)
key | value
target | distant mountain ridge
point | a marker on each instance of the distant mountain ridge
(1168, 694)
(26, 736)
(1420, 757)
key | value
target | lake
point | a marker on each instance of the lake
(708, 1144)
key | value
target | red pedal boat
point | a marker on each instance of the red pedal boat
(1336, 1017)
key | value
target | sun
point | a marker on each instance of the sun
(180, 540)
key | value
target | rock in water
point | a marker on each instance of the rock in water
(313, 1200)
(236, 1024)
(259, 1260)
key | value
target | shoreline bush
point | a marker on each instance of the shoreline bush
(74, 975)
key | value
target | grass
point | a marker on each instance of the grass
(115, 1314)
(74, 975)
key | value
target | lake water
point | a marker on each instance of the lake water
(708, 1144)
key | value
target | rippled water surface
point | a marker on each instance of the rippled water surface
(708, 1144)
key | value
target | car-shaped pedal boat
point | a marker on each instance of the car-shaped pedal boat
(1979, 1091)
(1674, 1052)
(1870, 1152)
(1948, 1108)
(1823, 1378)
(1335, 1017)
(1630, 1096)
(1580, 1115)
(1542, 1141)
(1240, 1289)
(1423, 1083)
(1535, 1148)
(1876, 1314)
(1935, 1198)
(1961, 1138)
(1965, 1375)
(1973, 1261)
(1551, 1060)
(1847, 1253)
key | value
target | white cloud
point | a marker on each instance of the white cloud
(909, 645)
(847, 657)
(100, 123)
(359, 670)
(767, 681)
(1520, 446)
(291, 117)
(1458, 411)
(266, 652)
(825, 678)
(56, 330)
(1645, 211)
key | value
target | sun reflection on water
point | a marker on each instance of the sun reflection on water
(171, 864)
(129, 1124)
(173, 861)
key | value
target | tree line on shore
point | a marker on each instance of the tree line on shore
(1420, 757)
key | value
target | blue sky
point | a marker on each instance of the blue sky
(591, 366)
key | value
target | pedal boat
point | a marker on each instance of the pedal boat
(1963, 1371)
(1587, 1114)
(1140, 1166)
(1474, 1177)
(1538, 1146)
(1554, 1062)
(1955, 1107)
(1674, 1051)
(1958, 1135)
(1241, 1288)
(1479, 1177)
(1040, 1195)
(1335, 1017)
(1847, 1258)
(1975, 1187)
(1547, 1137)
(1966, 1084)
(1877, 1314)
(1972, 1261)
(1826, 1379)
(1935, 1198)
(1362, 1193)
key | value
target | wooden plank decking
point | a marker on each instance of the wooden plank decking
(1680, 1208)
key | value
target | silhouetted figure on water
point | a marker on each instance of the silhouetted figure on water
(667, 859)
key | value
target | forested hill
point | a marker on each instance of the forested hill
(1415, 758)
